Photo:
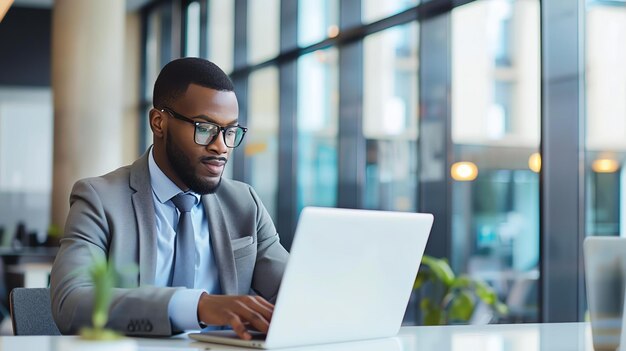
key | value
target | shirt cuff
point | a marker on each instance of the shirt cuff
(183, 309)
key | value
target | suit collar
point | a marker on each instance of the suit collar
(146, 222)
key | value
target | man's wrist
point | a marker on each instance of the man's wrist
(200, 322)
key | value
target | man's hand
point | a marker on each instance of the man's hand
(236, 311)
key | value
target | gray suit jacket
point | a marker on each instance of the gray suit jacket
(112, 217)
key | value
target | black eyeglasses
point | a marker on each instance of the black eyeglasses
(205, 133)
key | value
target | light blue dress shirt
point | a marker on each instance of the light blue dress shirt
(183, 305)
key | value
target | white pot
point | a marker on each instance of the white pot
(73, 343)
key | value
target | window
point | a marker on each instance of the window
(374, 10)
(606, 118)
(261, 143)
(317, 122)
(317, 20)
(496, 128)
(221, 34)
(390, 118)
(263, 30)
(192, 40)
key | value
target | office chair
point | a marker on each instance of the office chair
(31, 313)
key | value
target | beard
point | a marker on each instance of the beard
(182, 166)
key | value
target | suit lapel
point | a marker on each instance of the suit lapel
(143, 205)
(220, 243)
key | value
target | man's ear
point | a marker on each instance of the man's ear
(157, 123)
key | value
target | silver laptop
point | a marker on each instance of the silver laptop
(349, 277)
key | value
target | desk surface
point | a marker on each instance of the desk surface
(512, 337)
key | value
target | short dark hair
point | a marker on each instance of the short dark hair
(176, 76)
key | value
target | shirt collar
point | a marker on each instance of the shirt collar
(162, 186)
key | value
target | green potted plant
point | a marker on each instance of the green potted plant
(452, 299)
(98, 337)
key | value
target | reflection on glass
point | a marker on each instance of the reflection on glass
(221, 34)
(373, 10)
(192, 30)
(263, 30)
(317, 128)
(496, 126)
(524, 338)
(261, 142)
(390, 118)
(605, 117)
(317, 20)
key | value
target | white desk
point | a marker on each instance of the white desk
(513, 337)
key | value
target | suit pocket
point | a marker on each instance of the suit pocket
(243, 246)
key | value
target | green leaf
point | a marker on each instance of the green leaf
(462, 282)
(432, 317)
(440, 268)
(501, 308)
(485, 293)
(422, 276)
(461, 307)
(426, 304)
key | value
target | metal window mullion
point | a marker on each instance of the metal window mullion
(288, 128)
(562, 195)
(435, 136)
(204, 28)
(351, 142)
(241, 82)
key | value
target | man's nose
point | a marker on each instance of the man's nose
(219, 145)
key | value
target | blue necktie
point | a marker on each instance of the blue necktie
(185, 248)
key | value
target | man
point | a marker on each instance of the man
(206, 249)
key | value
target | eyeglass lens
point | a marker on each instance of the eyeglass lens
(207, 133)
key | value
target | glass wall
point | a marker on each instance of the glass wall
(390, 118)
(263, 30)
(373, 10)
(329, 90)
(317, 20)
(496, 130)
(317, 122)
(221, 36)
(192, 30)
(606, 117)
(261, 141)
(26, 144)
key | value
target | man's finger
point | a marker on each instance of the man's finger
(256, 319)
(265, 303)
(259, 307)
(239, 328)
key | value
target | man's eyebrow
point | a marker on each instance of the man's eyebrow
(209, 119)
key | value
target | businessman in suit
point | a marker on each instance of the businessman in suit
(206, 249)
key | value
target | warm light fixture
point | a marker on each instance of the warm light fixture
(605, 165)
(4, 7)
(534, 162)
(253, 149)
(464, 171)
(333, 31)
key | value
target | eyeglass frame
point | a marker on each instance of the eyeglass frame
(222, 130)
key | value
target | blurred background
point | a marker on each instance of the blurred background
(506, 119)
